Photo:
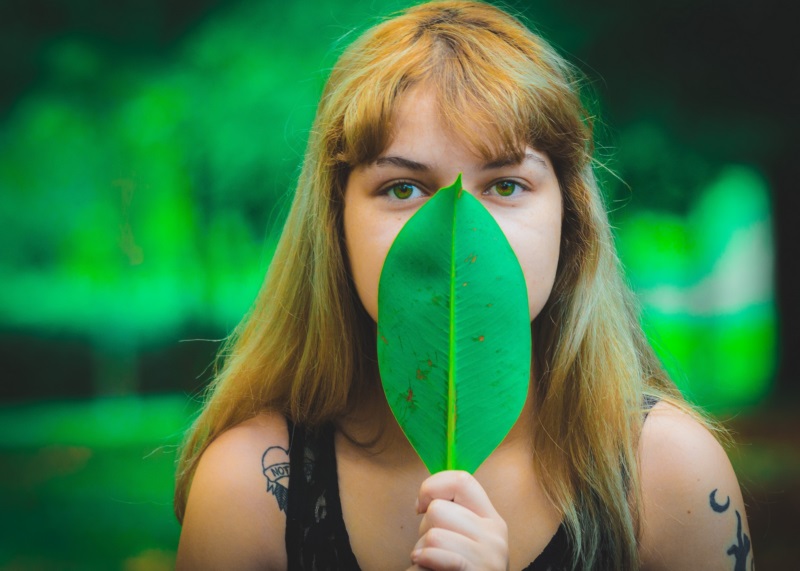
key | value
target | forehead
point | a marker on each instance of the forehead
(421, 118)
(423, 143)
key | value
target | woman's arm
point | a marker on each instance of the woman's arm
(234, 517)
(693, 512)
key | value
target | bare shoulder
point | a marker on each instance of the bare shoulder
(235, 512)
(693, 512)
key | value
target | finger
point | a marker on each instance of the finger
(489, 544)
(439, 559)
(447, 514)
(459, 487)
(442, 548)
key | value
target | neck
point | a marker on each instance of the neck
(373, 429)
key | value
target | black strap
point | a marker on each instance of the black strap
(347, 559)
(294, 507)
(555, 555)
(316, 537)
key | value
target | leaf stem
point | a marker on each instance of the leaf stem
(451, 369)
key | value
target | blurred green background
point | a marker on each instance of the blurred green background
(148, 152)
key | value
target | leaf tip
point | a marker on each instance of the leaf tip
(457, 186)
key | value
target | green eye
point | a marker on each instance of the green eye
(402, 190)
(505, 188)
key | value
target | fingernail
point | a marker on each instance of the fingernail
(415, 555)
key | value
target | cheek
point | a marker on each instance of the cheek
(367, 244)
(537, 251)
(366, 262)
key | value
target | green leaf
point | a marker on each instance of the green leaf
(454, 336)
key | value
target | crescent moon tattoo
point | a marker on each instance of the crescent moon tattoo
(719, 508)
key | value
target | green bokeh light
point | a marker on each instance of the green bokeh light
(706, 283)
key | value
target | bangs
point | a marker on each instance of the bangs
(493, 84)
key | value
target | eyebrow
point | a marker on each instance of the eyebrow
(402, 162)
(409, 164)
(511, 161)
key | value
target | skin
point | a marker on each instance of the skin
(500, 517)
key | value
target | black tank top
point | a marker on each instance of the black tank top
(316, 537)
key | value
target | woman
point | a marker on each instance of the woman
(296, 460)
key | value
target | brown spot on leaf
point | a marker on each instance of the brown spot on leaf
(421, 376)
(384, 340)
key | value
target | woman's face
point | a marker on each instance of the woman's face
(380, 197)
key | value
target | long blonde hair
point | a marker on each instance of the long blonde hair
(307, 348)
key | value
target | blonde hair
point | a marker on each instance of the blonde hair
(307, 347)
